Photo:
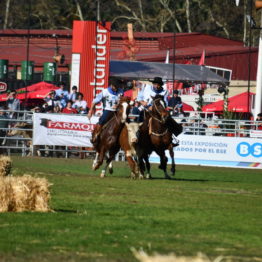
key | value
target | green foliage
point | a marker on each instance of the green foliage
(200, 100)
(216, 17)
(213, 210)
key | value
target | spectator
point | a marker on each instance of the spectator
(80, 105)
(51, 100)
(57, 109)
(259, 119)
(136, 113)
(62, 95)
(13, 105)
(69, 109)
(73, 94)
(175, 104)
(36, 109)
(49, 109)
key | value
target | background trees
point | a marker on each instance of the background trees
(216, 17)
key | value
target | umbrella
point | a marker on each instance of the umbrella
(36, 91)
(187, 107)
(238, 103)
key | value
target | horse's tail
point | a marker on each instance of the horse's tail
(174, 127)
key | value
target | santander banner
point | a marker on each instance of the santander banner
(63, 130)
(90, 58)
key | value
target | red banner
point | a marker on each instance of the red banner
(91, 54)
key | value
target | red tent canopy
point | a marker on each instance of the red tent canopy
(238, 103)
(35, 91)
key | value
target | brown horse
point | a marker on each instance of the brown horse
(109, 136)
(156, 135)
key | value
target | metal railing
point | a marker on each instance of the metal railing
(196, 125)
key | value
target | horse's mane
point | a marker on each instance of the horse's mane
(158, 97)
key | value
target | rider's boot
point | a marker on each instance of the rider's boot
(96, 133)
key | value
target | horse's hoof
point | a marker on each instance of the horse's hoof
(141, 176)
(133, 175)
(167, 177)
(148, 176)
(102, 175)
(110, 170)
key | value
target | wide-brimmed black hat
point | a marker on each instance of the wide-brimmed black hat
(115, 82)
(158, 80)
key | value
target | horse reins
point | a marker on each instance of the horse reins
(160, 121)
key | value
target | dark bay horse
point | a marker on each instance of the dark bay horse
(108, 144)
(156, 135)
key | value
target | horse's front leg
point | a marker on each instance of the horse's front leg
(172, 155)
(110, 167)
(163, 162)
(95, 161)
(148, 167)
(99, 158)
(141, 167)
(109, 161)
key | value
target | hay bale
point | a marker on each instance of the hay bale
(144, 257)
(24, 193)
(5, 165)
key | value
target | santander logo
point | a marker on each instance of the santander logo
(67, 125)
(100, 71)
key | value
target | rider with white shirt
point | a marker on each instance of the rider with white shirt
(109, 98)
(147, 98)
(150, 92)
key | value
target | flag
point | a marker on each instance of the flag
(167, 57)
(202, 58)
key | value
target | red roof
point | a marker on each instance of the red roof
(220, 52)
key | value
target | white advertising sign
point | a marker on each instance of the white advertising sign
(218, 151)
(63, 129)
(256, 133)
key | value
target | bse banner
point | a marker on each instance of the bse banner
(217, 151)
(63, 130)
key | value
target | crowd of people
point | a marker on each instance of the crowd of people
(62, 101)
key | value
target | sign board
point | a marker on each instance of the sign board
(90, 58)
(217, 151)
(3, 86)
(256, 133)
(63, 129)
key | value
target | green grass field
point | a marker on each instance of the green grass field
(216, 211)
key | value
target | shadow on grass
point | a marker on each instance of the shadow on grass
(64, 211)
(180, 179)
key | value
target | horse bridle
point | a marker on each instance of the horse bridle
(159, 113)
(161, 121)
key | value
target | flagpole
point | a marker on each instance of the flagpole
(174, 60)
(249, 58)
(258, 102)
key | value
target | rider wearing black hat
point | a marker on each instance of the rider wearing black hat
(158, 89)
